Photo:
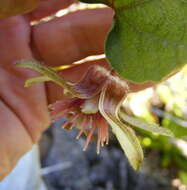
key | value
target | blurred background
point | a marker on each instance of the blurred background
(66, 167)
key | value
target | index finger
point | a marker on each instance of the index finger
(72, 37)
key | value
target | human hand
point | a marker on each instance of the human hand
(23, 111)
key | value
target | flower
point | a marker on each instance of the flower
(82, 115)
(94, 105)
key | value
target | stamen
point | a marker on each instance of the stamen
(99, 139)
(103, 138)
(105, 128)
(74, 120)
(84, 123)
(59, 115)
(90, 134)
(67, 125)
(60, 106)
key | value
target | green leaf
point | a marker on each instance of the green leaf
(148, 41)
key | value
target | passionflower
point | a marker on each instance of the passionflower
(94, 105)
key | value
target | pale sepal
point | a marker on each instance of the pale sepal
(34, 80)
(108, 106)
(50, 73)
(86, 88)
(135, 122)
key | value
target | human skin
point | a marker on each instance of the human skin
(23, 111)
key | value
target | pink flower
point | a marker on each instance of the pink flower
(84, 115)
(94, 106)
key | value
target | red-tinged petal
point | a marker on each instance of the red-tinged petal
(92, 82)
(60, 106)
